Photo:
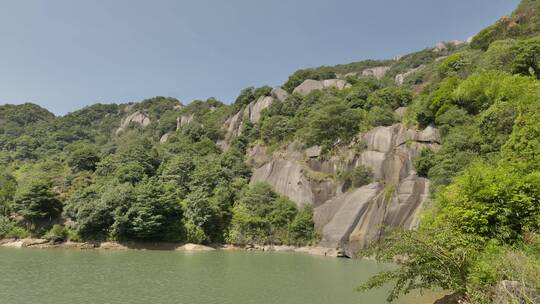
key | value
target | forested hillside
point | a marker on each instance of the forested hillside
(159, 170)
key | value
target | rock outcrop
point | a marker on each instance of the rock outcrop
(136, 117)
(311, 85)
(280, 94)
(377, 72)
(349, 219)
(400, 78)
(255, 108)
(184, 120)
(251, 112)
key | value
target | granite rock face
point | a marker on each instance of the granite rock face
(184, 120)
(255, 108)
(349, 219)
(252, 112)
(400, 78)
(136, 117)
(280, 94)
(377, 72)
(311, 85)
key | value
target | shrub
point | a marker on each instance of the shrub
(330, 123)
(439, 258)
(451, 65)
(495, 125)
(302, 229)
(381, 116)
(361, 176)
(527, 60)
(36, 203)
(424, 162)
(480, 91)
(195, 234)
(275, 129)
(83, 157)
(299, 76)
(499, 56)
(58, 233)
(392, 97)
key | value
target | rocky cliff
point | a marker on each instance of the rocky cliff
(347, 218)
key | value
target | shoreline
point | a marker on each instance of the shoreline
(163, 246)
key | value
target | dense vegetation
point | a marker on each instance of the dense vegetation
(121, 184)
(92, 175)
(483, 224)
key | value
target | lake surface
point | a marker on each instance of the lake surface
(152, 277)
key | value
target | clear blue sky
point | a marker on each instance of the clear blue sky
(65, 54)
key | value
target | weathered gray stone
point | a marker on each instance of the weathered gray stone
(280, 94)
(339, 84)
(351, 220)
(255, 108)
(136, 117)
(186, 119)
(352, 205)
(258, 155)
(165, 137)
(400, 112)
(429, 134)
(308, 86)
(440, 47)
(286, 177)
(311, 85)
(194, 247)
(313, 152)
(377, 72)
(400, 78)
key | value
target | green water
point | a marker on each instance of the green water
(111, 277)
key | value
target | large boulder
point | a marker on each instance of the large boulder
(400, 78)
(376, 72)
(136, 117)
(310, 85)
(194, 247)
(280, 94)
(184, 120)
(255, 108)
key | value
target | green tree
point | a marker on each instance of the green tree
(8, 188)
(424, 162)
(36, 203)
(392, 97)
(332, 122)
(156, 213)
(302, 228)
(434, 259)
(527, 59)
(199, 217)
(276, 129)
(83, 157)
(179, 169)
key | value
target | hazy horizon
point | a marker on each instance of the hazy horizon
(65, 55)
